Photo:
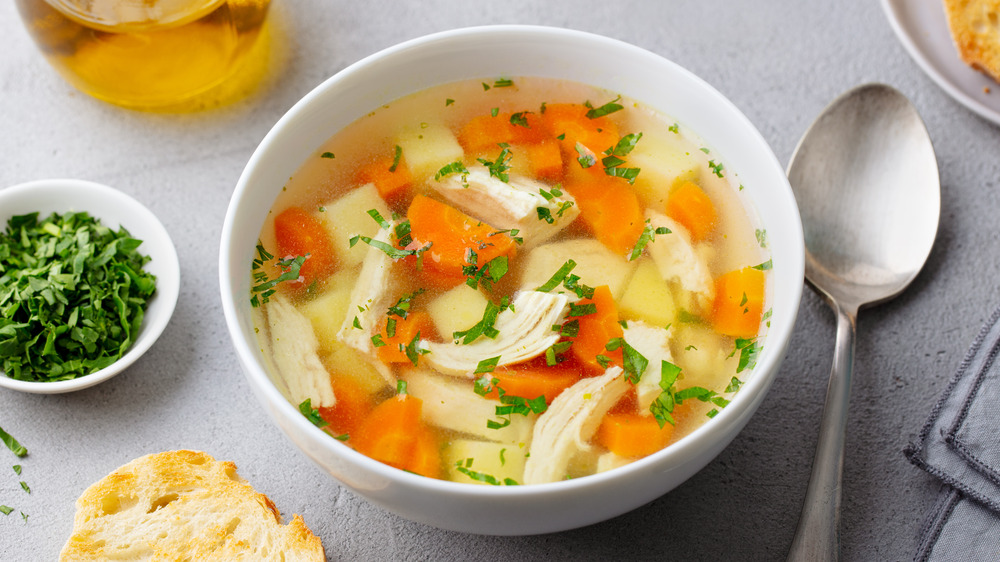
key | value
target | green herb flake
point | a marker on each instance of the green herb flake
(763, 266)
(503, 83)
(558, 277)
(73, 294)
(312, 414)
(485, 326)
(455, 167)
(749, 350)
(24, 486)
(401, 386)
(716, 167)
(761, 235)
(606, 109)
(395, 158)
(635, 363)
(586, 158)
(17, 469)
(12, 444)
(6, 510)
(487, 365)
(674, 128)
(519, 120)
(494, 112)
(647, 235)
(342, 437)
(448, 102)
(498, 168)
(327, 155)
(734, 385)
(705, 150)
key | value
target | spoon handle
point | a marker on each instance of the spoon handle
(817, 537)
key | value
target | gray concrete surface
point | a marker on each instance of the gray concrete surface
(780, 61)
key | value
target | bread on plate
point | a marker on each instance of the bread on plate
(183, 505)
(975, 27)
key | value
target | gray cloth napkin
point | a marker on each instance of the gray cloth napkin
(960, 445)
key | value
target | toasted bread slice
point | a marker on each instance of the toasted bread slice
(975, 27)
(183, 505)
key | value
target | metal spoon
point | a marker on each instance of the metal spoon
(867, 186)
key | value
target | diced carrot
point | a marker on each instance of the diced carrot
(452, 235)
(485, 132)
(739, 302)
(535, 378)
(596, 330)
(418, 322)
(353, 404)
(392, 184)
(611, 210)
(689, 205)
(395, 434)
(546, 161)
(568, 123)
(632, 435)
(300, 234)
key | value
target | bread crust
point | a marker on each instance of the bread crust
(183, 505)
(975, 27)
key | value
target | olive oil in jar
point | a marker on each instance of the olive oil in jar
(147, 54)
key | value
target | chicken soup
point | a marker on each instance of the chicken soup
(511, 281)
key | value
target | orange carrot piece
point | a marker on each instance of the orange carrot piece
(570, 122)
(353, 404)
(596, 330)
(391, 184)
(535, 378)
(300, 234)
(546, 161)
(611, 210)
(452, 235)
(739, 302)
(395, 434)
(689, 205)
(485, 132)
(418, 322)
(632, 435)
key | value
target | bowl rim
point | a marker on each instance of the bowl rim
(753, 390)
(114, 208)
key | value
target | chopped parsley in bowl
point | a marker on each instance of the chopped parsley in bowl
(88, 281)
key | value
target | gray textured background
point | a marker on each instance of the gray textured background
(780, 61)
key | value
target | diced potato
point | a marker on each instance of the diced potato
(705, 359)
(347, 217)
(595, 264)
(498, 460)
(344, 361)
(452, 404)
(664, 163)
(647, 296)
(456, 310)
(428, 147)
(327, 311)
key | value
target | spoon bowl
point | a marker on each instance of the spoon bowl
(866, 181)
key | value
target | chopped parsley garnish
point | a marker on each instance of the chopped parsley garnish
(402, 306)
(312, 414)
(705, 150)
(494, 112)
(491, 272)
(734, 385)
(763, 266)
(749, 350)
(487, 365)
(400, 386)
(613, 160)
(24, 486)
(413, 350)
(498, 168)
(389, 249)
(12, 444)
(374, 214)
(635, 363)
(586, 158)
(264, 288)
(6, 510)
(716, 167)
(485, 326)
(571, 282)
(512, 232)
(503, 83)
(648, 235)
(395, 158)
(558, 277)
(510, 404)
(464, 466)
(674, 128)
(662, 407)
(581, 309)
(761, 237)
(606, 109)
(519, 120)
(377, 340)
(455, 167)
(73, 294)
(448, 102)
(553, 355)
(327, 155)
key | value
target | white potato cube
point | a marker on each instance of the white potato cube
(647, 296)
(428, 147)
(664, 162)
(498, 460)
(457, 310)
(347, 217)
(595, 264)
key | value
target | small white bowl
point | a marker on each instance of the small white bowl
(513, 51)
(114, 209)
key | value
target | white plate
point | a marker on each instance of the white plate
(114, 209)
(922, 28)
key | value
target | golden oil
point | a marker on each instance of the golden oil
(149, 54)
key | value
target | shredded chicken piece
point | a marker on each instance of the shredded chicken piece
(296, 354)
(653, 343)
(570, 422)
(370, 298)
(524, 331)
(509, 205)
(676, 258)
